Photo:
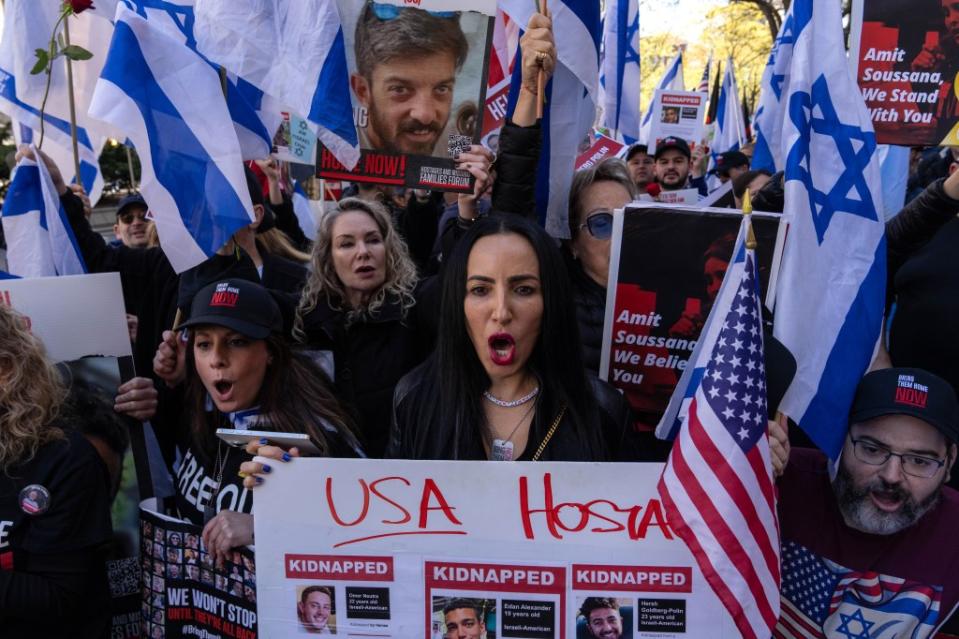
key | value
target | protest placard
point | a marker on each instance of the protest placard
(419, 548)
(418, 78)
(294, 141)
(666, 266)
(905, 56)
(677, 114)
(186, 593)
(603, 147)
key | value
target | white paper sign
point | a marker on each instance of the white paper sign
(679, 114)
(424, 549)
(74, 316)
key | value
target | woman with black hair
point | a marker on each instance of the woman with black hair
(242, 374)
(506, 381)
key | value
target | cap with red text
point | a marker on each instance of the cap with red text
(241, 305)
(908, 391)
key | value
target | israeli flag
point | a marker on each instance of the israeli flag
(40, 242)
(169, 102)
(620, 70)
(832, 282)
(304, 212)
(730, 126)
(672, 80)
(292, 50)
(571, 99)
(767, 122)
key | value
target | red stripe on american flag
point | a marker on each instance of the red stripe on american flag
(796, 623)
(728, 540)
(725, 538)
(733, 483)
(679, 526)
(763, 477)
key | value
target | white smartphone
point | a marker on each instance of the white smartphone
(240, 438)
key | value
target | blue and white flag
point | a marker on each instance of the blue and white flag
(40, 241)
(169, 102)
(292, 50)
(768, 120)
(304, 211)
(571, 98)
(620, 69)
(832, 282)
(57, 146)
(730, 128)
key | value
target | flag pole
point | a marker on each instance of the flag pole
(747, 213)
(541, 76)
(73, 107)
(133, 181)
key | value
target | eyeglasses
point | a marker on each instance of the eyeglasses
(871, 453)
(391, 11)
(599, 225)
(127, 218)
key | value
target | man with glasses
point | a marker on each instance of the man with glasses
(407, 60)
(875, 548)
(132, 228)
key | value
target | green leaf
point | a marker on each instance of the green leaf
(75, 52)
(42, 59)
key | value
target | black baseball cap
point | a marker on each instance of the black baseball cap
(730, 160)
(636, 148)
(132, 200)
(244, 306)
(908, 391)
(672, 142)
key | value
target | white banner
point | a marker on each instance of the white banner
(479, 549)
(678, 114)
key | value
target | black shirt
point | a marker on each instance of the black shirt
(52, 571)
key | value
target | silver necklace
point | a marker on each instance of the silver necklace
(209, 509)
(511, 404)
(502, 449)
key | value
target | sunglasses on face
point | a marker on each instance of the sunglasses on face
(599, 225)
(127, 218)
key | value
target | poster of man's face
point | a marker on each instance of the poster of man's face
(417, 80)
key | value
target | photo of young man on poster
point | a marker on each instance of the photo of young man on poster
(463, 618)
(315, 610)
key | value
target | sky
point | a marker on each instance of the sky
(683, 18)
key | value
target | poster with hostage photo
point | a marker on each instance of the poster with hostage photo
(418, 82)
(906, 56)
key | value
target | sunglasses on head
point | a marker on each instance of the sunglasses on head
(391, 11)
(599, 225)
(129, 216)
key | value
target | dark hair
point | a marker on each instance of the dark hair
(451, 412)
(721, 248)
(636, 148)
(741, 181)
(91, 414)
(311, 589)
(296, 397)
(411, 34)
(459, 604)
(608, 170)
(595, 603)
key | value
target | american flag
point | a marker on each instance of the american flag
(717, 485)
(823, 599)
(704, 82)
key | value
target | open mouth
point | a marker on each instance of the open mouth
(502, 349)
(224, 389)
(886, 500)
(365, 271)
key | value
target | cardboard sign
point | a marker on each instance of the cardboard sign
(666, 266)
(682, 196)
(413, 110)
(185, 592)
(677, 114)
(419, 549)
(294, 141)
(603, 147)
(905, 56)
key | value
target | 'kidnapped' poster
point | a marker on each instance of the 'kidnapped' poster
(907, 55)
(418, 84)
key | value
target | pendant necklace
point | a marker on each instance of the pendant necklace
(502, 449)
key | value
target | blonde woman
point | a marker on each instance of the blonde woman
(358, 305)
(54, 502)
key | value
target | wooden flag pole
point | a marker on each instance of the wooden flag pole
(73, 107)
(541, 76)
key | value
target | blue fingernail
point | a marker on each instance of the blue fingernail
(267, 469)
(259, 480)
(286, 457)
(264, 441)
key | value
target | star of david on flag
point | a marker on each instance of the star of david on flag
(823, 599)
(830, 296)
(717, 485)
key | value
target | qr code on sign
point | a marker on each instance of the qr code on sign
(458, 144)
(124, 577)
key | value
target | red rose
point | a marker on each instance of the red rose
(79, 6)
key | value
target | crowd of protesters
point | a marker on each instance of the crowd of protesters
(419, 325)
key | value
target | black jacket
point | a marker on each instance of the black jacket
(412, 438)
(370, 356)
(590, 300)
(924, 270)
